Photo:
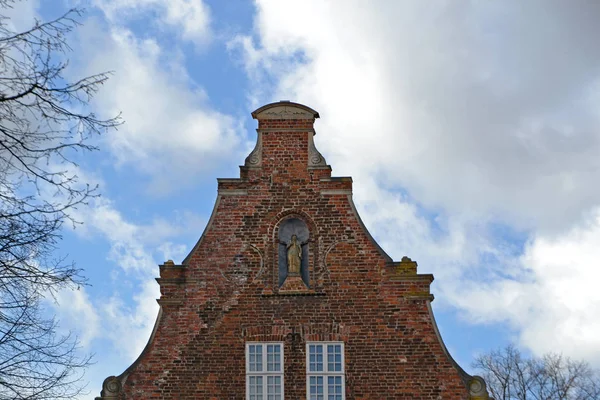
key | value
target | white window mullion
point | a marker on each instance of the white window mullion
(325, 371)
(264, 371)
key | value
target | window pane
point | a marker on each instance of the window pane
(323, 359)
(255, 387)
(263, 358)
(259, 357)
(315, 354)
(259, 387)
(255, 358)
(319, 358)
(277, 361)
(334, 358)
(334, 388)
(274, 388)
(316, 388)
(274, 358)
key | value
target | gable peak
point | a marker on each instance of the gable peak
(284, 109)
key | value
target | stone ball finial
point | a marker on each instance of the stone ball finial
(169, 262)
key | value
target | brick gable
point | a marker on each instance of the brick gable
(228, 290)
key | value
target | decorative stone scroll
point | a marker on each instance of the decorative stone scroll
(315, 159)
(478, 389)
(254, 159)
(111, 389)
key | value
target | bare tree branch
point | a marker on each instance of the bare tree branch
(552, 377)
(45, 121)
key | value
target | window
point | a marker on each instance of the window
(264, 371)
(325, 371)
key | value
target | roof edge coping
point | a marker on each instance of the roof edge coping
(284, 109)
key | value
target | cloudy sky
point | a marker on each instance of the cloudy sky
(471, 130)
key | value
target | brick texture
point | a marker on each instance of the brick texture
(226, 293)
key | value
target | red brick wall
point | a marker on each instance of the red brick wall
(227, 293)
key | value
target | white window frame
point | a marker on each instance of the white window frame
(264, 373)
(325, 373)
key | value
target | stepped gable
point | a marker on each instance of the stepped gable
(285, 258)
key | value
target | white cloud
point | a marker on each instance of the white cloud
(135, 251)
(131, 324)
(171, 133)
(190, 17)
(133, 245)
(486, 115)
(474, 106)
(76, 313)
(117, 325)
(20, 14)
(555, 305)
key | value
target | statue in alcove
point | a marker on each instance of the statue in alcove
(293, 250)
(294, 256)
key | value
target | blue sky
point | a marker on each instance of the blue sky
(470, 129)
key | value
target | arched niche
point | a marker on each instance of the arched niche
(287, 229)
